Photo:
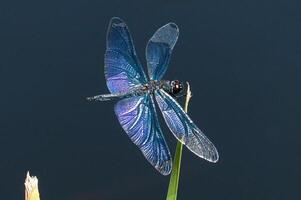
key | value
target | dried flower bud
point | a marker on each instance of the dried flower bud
(31, 188)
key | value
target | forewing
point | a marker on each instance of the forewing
(122, 67)
(137, 116)
(184, 129)
(159, 49)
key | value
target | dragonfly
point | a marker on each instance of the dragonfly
(136, 94)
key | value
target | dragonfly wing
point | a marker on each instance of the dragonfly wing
(122, 67)
(137, 116)
(159, 49)
(184, 129)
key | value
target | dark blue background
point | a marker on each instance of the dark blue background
(243, 61)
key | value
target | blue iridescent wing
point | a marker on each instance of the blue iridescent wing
(122, 67)
(137, 116)
(159, 49)
(184, 129)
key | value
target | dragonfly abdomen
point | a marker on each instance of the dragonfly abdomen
(138, 91)
(105, 97)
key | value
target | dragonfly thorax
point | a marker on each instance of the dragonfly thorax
(152, 85)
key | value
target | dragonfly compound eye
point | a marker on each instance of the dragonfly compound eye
(177, 86)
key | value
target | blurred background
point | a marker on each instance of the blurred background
(242, 59)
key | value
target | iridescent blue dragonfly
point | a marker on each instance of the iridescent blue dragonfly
(136, 110)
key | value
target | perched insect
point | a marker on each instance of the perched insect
(136, 110)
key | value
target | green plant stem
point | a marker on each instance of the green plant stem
(175, 173)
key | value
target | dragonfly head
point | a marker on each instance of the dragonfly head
(176, 87)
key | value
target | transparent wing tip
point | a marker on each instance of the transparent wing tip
(214, 158)
(173, 26)
(165, 169)
(207, 152)
(211, 157)
(168, 34)
(116, 21)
